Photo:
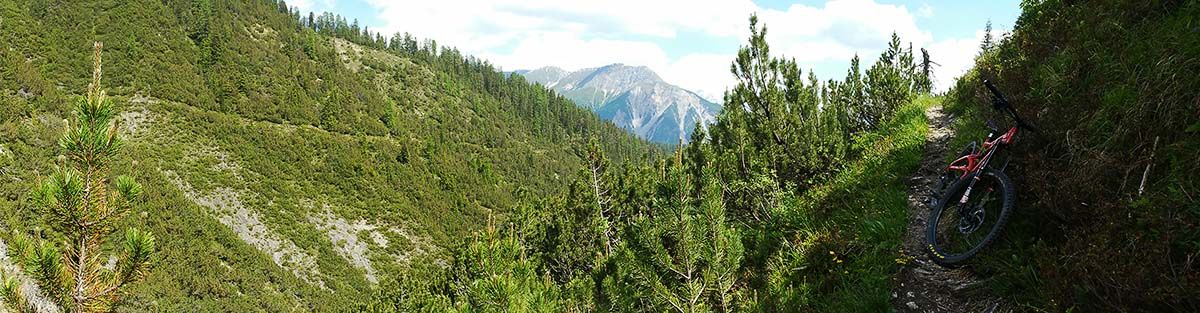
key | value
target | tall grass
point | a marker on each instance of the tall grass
(1105, 80)
(859, 240)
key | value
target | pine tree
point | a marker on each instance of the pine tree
(684, 258)
(924, 83)
(779, 111)
(834, 133)
(597, 173)
(494, 274)
(988, 41)
(854, 93)
(758, 88)
(200, 13)
(81, 203)
(887, 86)
(908, 66)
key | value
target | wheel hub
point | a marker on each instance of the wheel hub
(971, 220)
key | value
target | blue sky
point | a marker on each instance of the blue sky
(688, 42)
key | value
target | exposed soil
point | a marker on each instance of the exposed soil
(345, 236)
(227, 206)
(921, 285)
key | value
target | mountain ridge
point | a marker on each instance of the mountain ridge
(288, 162)
(634, 98)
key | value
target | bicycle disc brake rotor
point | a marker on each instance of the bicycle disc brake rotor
(971, 217)
(971, 221)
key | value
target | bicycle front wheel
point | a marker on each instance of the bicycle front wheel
(957, 230)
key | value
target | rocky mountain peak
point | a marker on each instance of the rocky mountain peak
(632, 97)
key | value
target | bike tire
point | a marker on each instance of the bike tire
(1008, 199)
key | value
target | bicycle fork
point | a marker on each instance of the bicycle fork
(971, 216)
(967, 194)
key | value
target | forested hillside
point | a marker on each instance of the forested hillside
(795, 203)
(1108, 211)
(288, 162)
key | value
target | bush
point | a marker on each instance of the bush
(1106, 83)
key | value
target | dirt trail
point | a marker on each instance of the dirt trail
(922, 286)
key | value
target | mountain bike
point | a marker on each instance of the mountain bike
(974, 197)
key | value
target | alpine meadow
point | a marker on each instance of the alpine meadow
(266, 156)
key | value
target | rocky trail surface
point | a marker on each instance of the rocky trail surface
(923, 286)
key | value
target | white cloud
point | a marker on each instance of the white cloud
(482, 25)
(833, 32)
(568, 51)
(310, 5)
(839, 29)
(573, 34)
(955, 57)
(707, 74)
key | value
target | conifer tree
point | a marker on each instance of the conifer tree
(887, 85)
(83, 204)
(494, 274)
(924, 83)
(988, 41)
(685, 257)
(758, 89)
(853, 91)
(908, 66)
(596, 172)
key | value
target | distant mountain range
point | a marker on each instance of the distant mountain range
(632, 97)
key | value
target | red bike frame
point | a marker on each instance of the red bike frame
(971, 163)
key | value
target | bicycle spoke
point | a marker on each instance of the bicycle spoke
(964, 226)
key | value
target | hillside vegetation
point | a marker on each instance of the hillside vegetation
(1108, 215)
(287, 163)
(305, 163)
(302, 163)
(795, 203)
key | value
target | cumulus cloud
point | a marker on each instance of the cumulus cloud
(855, 24)
(573, 34)
(955, 57)
(567, 50)
(707, 74)
(489, 24)
(310, 5)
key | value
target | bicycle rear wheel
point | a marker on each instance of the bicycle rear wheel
(957, 230)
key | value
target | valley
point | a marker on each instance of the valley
(261, 156)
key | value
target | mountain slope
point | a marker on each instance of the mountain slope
(288, 163)
(633, 97)
(785, 204)
(1108, 209)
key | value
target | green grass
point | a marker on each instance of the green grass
(853, 225)
(1104, 82)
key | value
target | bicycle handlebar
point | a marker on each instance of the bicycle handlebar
(995, 92)
(999, 102)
